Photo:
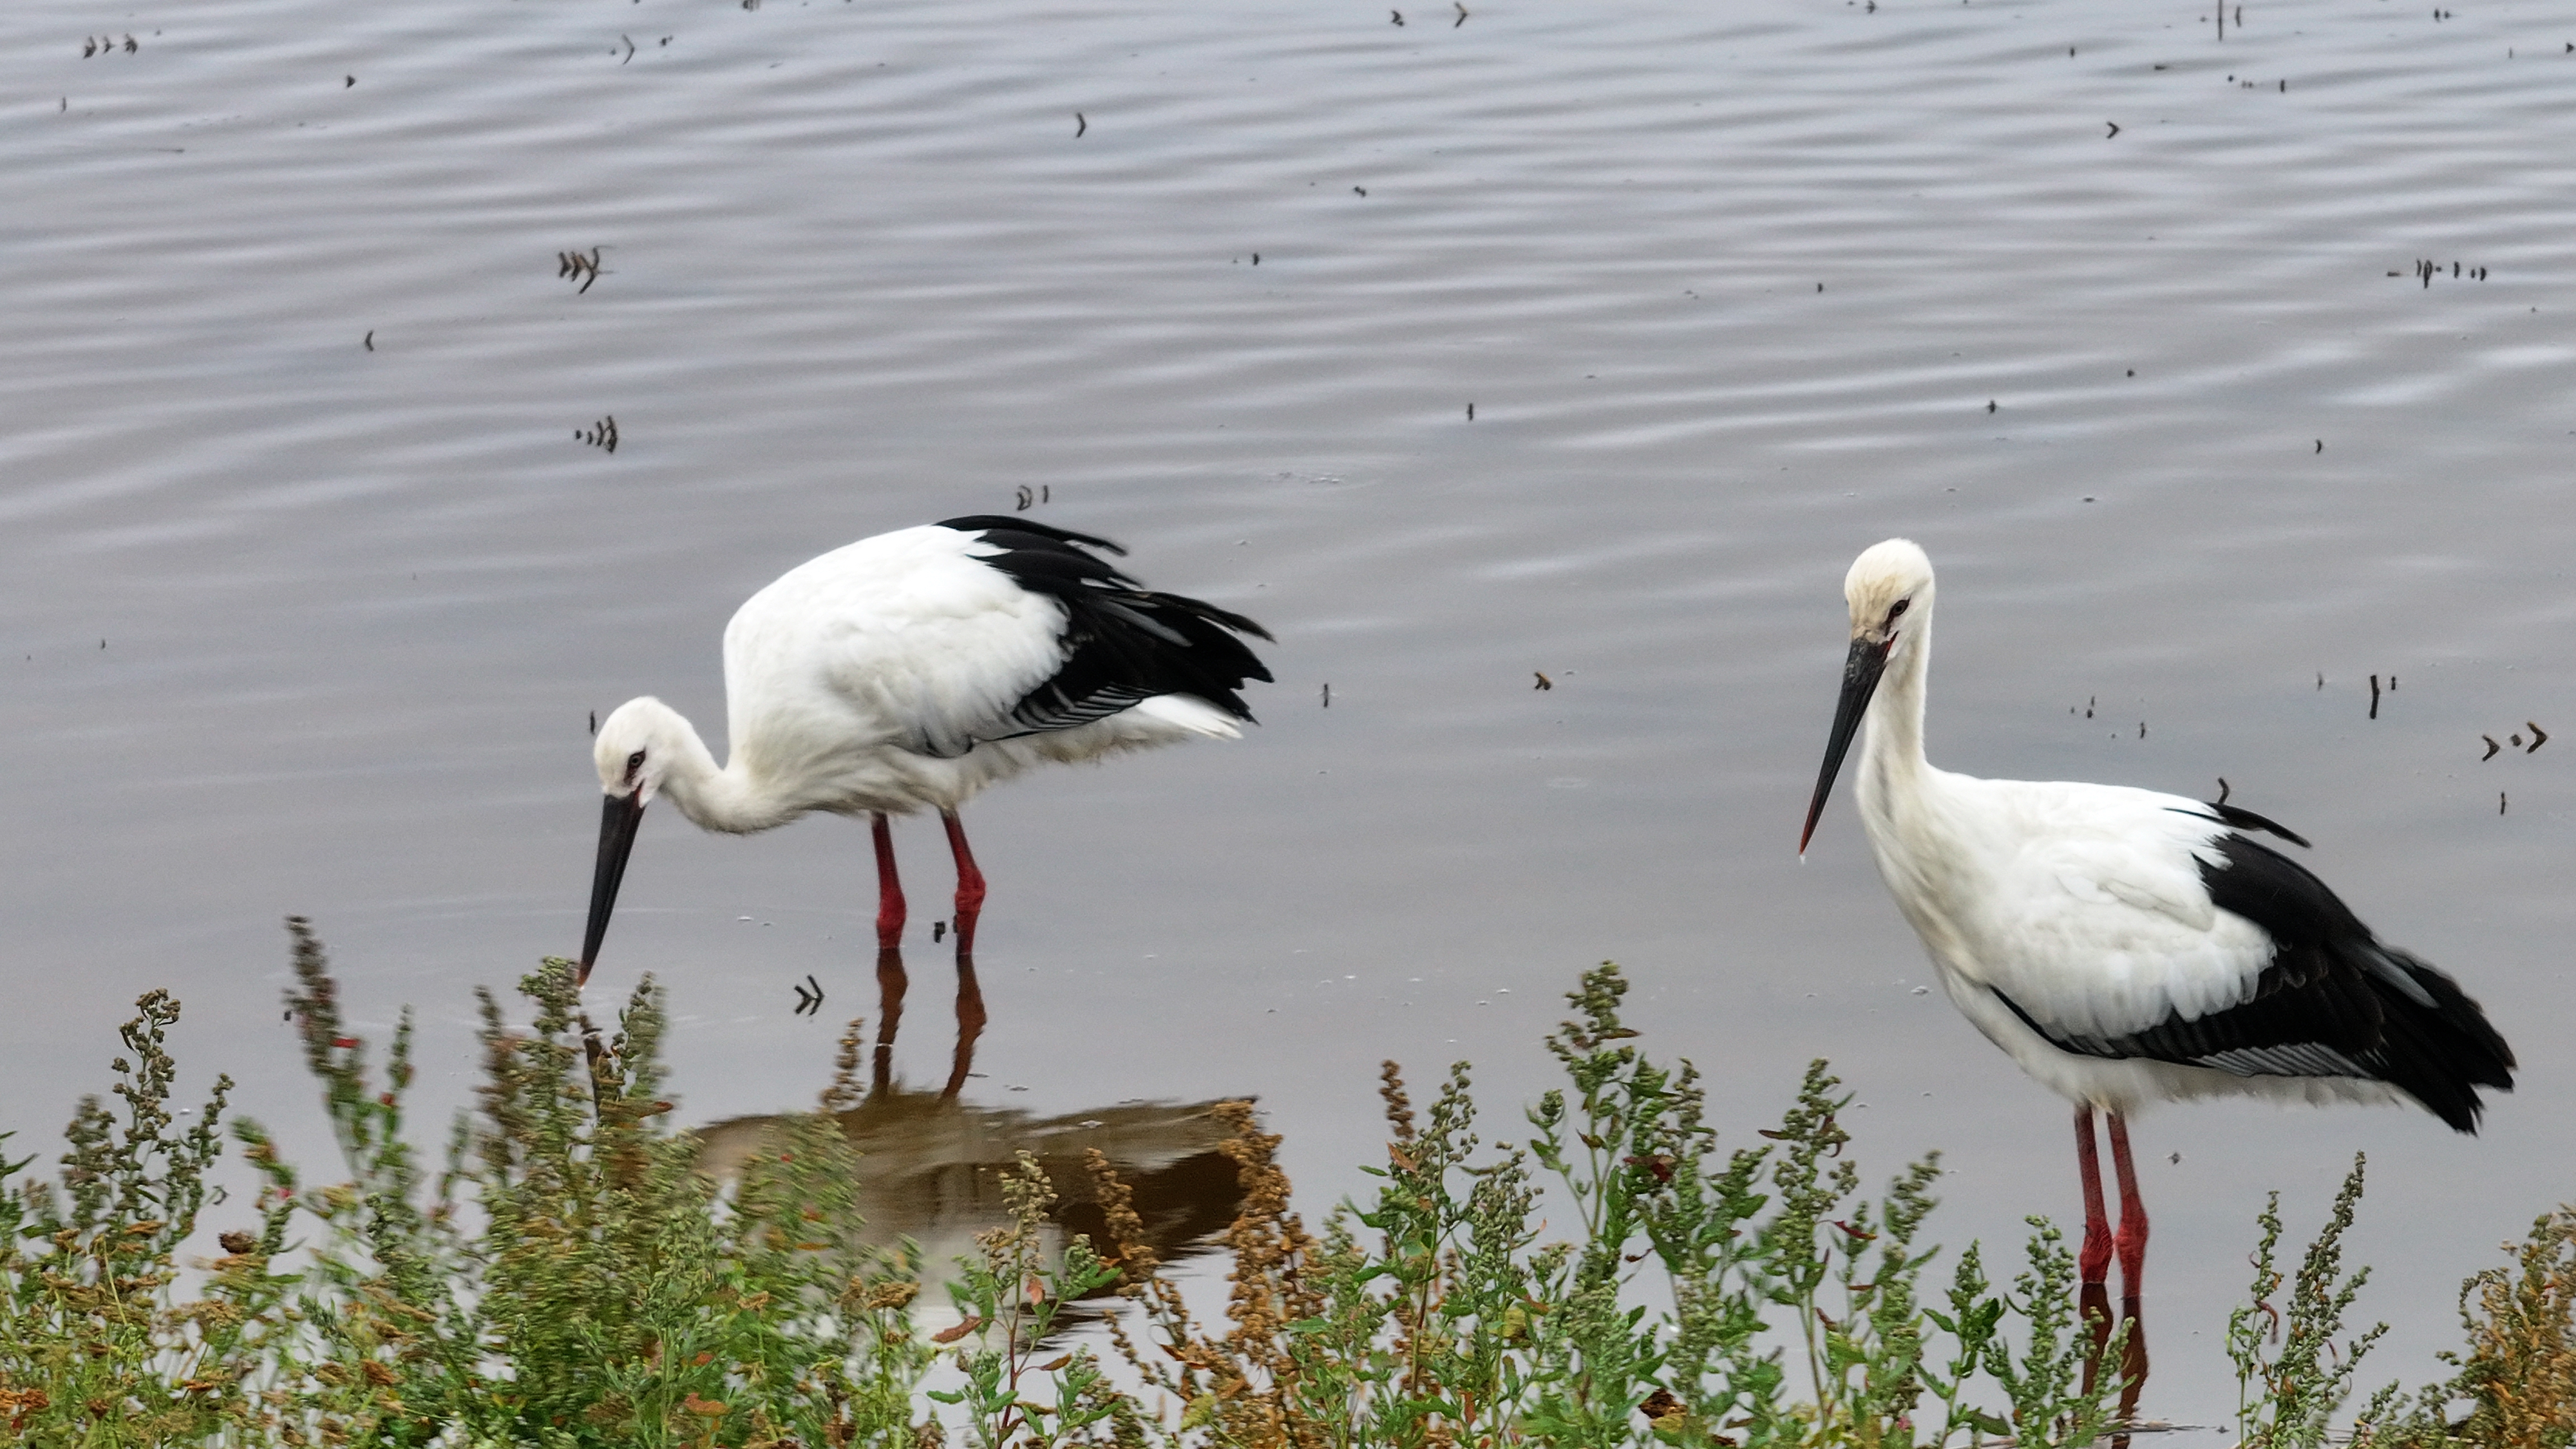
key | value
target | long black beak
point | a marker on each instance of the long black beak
(1861, 669)
(617, 825)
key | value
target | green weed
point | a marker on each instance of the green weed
(566, 1276)
(609, 1297)
(1436, 1315)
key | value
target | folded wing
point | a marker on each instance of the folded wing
(2205, 948)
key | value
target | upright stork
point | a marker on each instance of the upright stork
(2124, 946)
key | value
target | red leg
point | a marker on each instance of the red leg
(889, 889)
(970, 885)
(2133, 1212)
(2095, 1259)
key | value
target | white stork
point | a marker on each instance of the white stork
(910, 670)
(2125, 946)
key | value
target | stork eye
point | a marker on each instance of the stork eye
(1898, 610)
(634, 762)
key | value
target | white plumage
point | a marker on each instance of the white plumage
(2125, 946)
(910, 670)
(2083, 906)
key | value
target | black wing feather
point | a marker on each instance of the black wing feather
(2332, 1002)
(989, 523)
(1123, 644)
(2240, 818)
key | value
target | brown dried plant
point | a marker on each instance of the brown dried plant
(2518, 1370)
(1244, 1386)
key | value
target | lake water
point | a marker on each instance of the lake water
(311, 587)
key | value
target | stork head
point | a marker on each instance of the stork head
(636, 747)
(1889, 585)
(1889, 589)
(635, 750)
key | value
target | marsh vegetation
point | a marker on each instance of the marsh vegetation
(571, 1275)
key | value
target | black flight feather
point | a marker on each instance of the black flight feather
(2238, 817)
(1123, 644)
(2332, 1002)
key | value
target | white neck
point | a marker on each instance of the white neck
(1894, 775)
(714, 797)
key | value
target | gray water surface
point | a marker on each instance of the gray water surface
(311, 587)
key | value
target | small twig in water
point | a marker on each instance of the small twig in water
(577, 264)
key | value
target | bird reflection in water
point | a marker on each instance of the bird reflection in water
(891, 983)
(931, 1163)
(2093, 1305)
